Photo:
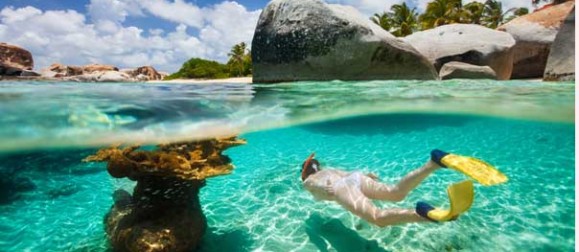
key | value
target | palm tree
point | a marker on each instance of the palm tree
(554, 2)
(494, 15)
(517, 13)
(403, 19)
(473, 12)
(237, 56)
(383, 20)
(441, 12)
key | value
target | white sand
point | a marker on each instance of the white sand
(246, 80)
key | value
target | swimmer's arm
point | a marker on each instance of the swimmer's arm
(318, 190)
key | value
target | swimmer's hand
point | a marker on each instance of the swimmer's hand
(373, 176)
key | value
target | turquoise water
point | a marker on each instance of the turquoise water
(53, 202)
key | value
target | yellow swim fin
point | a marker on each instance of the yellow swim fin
(461, 196)
(477, 169)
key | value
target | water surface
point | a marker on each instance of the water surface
(53, 202)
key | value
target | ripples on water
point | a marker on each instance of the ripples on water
(55, 203)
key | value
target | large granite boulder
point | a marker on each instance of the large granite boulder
(561, 61)
(312, 40)
(534, 33)
(461, 70)
(14, 60)
(468, 43)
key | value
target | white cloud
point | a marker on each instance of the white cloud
(178, 11)
(67, 37)
(100, 35)
(368, 7)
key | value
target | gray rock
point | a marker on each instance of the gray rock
(561, 61)
(101, 76)
(468, 43)
(534, 33)
(14, 59)
(28, 73)
(460, 70)
(312, 40)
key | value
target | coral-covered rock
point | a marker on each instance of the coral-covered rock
(14, 59)
(164, 212)
(534, 33)
(468, 43)
(312, 40)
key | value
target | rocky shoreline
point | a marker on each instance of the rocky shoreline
(311, 40)
(17, 63)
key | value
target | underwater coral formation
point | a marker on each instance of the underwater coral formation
(164, 212)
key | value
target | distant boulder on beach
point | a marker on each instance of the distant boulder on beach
(467, 43)
(100, 73)
(14, 60)
(312, 40)
(561, 60)
(461, 70)
(534, 34)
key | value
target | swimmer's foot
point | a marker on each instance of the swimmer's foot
(422, 209)
(437, 155)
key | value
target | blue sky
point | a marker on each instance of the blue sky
(132, 33)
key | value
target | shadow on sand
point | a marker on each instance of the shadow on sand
(234, 240)
(327, 233)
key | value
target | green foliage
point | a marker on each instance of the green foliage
(473, 13)
(402, 21)
(383, 20)
(200, 68)
(239, 64)
(441, 12)
(493, 14)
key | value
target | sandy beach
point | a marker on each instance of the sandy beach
(247, 80)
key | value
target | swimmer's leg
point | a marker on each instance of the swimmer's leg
(352, 199)
(379, 191)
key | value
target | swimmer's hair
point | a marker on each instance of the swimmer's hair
(309, 168)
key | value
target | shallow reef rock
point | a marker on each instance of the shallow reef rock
(535, 33)
(14, 60)
(461, 70)
(312, 40)
(468, 43)
(561, 61)
(164, 212)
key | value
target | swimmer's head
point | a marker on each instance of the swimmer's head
(309, 167)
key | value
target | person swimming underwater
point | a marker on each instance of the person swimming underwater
(355, 191)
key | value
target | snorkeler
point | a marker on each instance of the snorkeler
(355, 191)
